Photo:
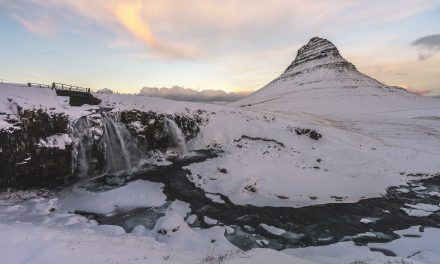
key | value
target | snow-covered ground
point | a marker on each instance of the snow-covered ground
(367, 146)
(360, 154)
(373, 137)
(38, 227)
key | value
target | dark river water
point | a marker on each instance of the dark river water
(306, 226)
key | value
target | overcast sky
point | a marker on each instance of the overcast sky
(199, 44)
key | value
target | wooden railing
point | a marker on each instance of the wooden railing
(61, 86)
(39, 85)
(68, 87)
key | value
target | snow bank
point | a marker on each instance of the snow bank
(135, 194)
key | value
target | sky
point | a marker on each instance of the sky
(235, 46)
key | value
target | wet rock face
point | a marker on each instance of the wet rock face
(30, 155)
(318, 52)
(88, 148)
(151, 127)
(149, 132)
(24, 160)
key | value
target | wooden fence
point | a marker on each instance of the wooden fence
(39, 85)
(61, 86)
(68, 87)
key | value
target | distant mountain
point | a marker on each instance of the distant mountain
(186, 94)
(320, 79)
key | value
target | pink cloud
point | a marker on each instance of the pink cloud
(43, 25)
(416, 90)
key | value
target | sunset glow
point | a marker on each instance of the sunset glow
(129, 14)
(125, 45)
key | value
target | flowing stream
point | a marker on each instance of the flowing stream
(306, 226)
(177, 137)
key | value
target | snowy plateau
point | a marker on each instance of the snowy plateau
(322, 165)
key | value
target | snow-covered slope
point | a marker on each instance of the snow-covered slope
(372, 135)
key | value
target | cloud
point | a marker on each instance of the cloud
(239, 43)
(199, 29)
(416, 90)
(428, 46)
(186, 94)
(127, 19)
(105, 91)
(130, 16)
(431, 41)
(43, 25)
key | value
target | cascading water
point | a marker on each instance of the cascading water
(103, 144)
(82, 152)
(177, 137)
(121, 152)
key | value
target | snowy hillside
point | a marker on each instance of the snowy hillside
(372, 136)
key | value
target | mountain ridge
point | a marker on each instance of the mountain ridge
(319, 75)
(318, 50)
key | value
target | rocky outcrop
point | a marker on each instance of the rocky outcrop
(151, 128)
(43, 149)
(35, 151)
(306, 131)
(318, 52)
(149, 132)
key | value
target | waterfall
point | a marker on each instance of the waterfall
(177, 137)
(82, 151)
(103, 144)
(120, 145)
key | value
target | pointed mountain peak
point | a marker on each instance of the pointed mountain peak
(317, 52)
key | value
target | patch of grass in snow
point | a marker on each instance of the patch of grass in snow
(212, 258)
(372, 261)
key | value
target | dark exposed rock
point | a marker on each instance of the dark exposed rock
(222, 170)
(162, 231)
(24, 162)
(307, 131)
(151, 128)
(317, 53)
(252, 188)
(259, 138)
(384, 251)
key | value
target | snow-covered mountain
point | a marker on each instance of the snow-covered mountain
(372, 134)
(320, 80)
